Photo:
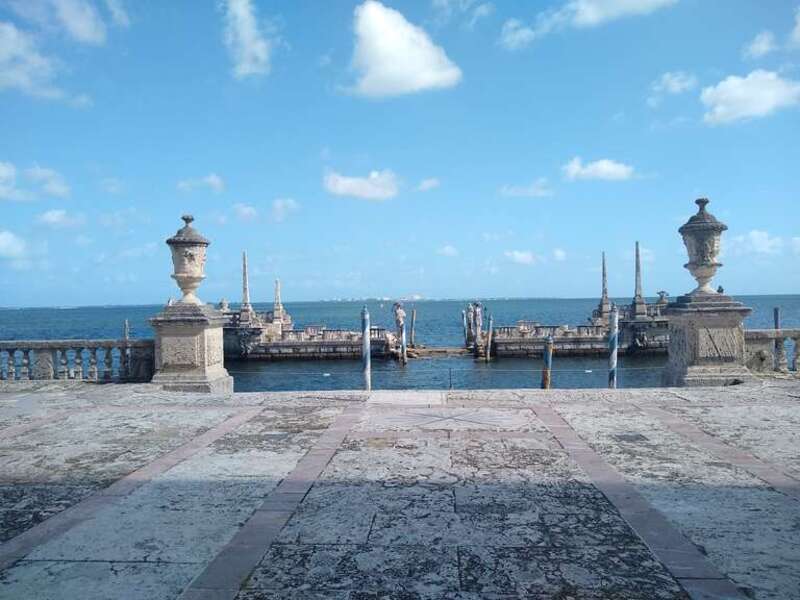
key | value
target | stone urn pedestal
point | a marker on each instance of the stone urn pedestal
(706, 341)
(706, 335)
(189, 340)
(189, 351)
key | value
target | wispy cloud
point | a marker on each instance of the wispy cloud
(539, 188)
(245, 212)
(755, 242)
(521, 257)
(605, 169)
(378, 185)
(670, 83)
(282, 208)
(211, 181)
(58, 218)
(448, 250)
(428, 184)
(394, 57)
(50, 182)
(764, 43)
(43, 181)
(577, 14)
(249, 48)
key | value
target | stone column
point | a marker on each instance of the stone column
(188, 344)
(605, 305)
(706, 335)
(639, 304)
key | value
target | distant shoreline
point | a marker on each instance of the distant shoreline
(619, 300)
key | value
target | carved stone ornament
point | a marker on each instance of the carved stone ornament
(701, 236)
(188, 249)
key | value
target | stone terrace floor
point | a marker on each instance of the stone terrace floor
(128, 492)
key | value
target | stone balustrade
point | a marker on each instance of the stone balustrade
(771, 349)
(83, 360)
(525, 329)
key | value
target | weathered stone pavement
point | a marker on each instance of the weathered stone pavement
(128, 492)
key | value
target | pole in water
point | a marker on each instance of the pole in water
(413, 327)
(466, 334)
(613, 345)
(403, 349)
(366, 359)
(548, 362)
(489, 335)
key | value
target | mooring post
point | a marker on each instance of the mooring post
(366, 359)
(403, 347)
(489, 336)
(413, 327)
(613, 344)
(466, 333)
(548, 362)
(781, 362)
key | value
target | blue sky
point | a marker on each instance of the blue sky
(445, 148)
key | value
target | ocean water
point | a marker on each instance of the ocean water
(438, 324)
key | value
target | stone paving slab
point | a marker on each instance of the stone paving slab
(460, 495)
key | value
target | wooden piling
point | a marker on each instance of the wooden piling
(489, 336)
(403, 346)
(548, 362)
(613, 345)
(366, 358)
(413, 327)
(466, 332)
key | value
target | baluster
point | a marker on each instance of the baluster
(92, 364)
(11, 375)
(124, 360)
(781, 363)
(107, 364)
(25, 369)
(77, 370)
(63, 369)
(794, 354)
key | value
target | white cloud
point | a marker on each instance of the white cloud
(394, 57)
(50, 181)
(605, 169)
(81, 21)
(757, 95)
(248, 47)
(559, 255)
(8, 183)
(59, 218)
(794, 37)
(448, 250)
(378, 185)
(481, 11)
(521, 257)
(211, 181)
(756, 242)
(245, 212)
(23, 67)
(12, 246)
(515, 35)
(761, 45)
(428, 184)
(537, 189)
(119, 15)
(671, 82)
(577, 14)
(283, 207)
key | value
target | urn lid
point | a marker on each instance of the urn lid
(188, 234)
(703, 220)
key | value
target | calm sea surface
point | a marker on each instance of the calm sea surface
(438, 324)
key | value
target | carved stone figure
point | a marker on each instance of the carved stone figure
(399, 317)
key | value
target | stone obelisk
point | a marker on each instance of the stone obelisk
(639, 304)
(605, 304)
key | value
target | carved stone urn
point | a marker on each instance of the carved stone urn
(188, 249)
(701, 236)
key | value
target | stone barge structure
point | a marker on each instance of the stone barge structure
(643, 328)
(251, 335)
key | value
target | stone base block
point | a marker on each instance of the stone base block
(170, 382)
(703, 376)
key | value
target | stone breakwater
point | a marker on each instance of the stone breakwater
(128, 491)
